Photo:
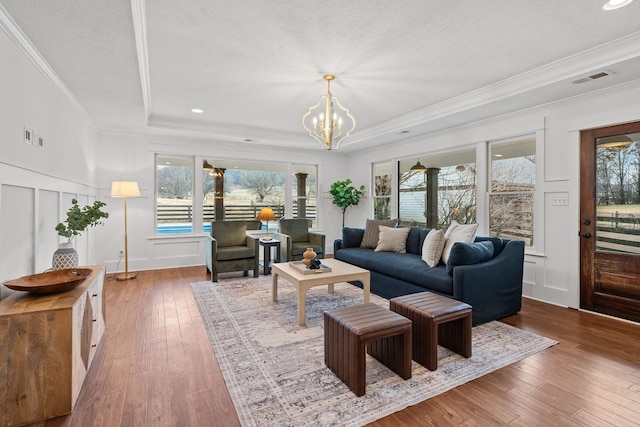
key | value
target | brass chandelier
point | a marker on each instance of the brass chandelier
(327, 127)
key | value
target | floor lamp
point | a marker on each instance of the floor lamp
(125, 189)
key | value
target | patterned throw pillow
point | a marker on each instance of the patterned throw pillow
(372, 231)
(392, 240)
(432, 247)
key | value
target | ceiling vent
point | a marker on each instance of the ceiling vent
(591, 77)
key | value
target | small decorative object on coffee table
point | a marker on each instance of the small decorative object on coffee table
(301, 268)
(315, 264)
(308, 255)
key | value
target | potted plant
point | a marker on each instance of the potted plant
(345, 195)
(78, 219)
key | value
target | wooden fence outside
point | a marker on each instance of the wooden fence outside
(172, 214)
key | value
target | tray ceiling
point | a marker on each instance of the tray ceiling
(255, 67)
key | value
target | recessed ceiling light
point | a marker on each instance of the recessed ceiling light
(497, 155)
(197, 110)
(616, 4)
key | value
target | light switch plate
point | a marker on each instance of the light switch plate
(560, 199)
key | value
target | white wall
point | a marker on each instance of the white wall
(552, 269)
(37, 184)
(125, 157)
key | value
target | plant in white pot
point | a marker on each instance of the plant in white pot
(78, 219)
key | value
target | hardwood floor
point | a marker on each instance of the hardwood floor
(156, 368)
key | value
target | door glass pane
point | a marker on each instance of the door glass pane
(618, 193)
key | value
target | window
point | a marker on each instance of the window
(382, 191)
(229, 190)
(445, 190)
(174, 194)
(305, 192)
(512, 189)
(238, 190)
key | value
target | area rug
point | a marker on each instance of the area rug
(275, 371)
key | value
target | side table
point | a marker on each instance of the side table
(436, 320)
(266, 254)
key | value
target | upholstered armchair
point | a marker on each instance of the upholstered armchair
(253, 224)
(295, 238)
(229, 248)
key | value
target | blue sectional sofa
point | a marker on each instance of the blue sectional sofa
(493, 287)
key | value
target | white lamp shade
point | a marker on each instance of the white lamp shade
(125, 189)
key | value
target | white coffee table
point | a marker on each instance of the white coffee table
(340, 272)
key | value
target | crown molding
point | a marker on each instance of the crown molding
(140, 31)
(569, 68)
(227, 131)
(24, 44)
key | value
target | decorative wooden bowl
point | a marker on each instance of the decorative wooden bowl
(50, 282)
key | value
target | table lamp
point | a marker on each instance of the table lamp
(125, 189)
(266, 214)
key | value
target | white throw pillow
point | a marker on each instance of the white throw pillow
(392, 239)
(465, 233)
(452, 227)
(432, 247)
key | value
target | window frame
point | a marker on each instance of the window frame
(195, 216)
(463, 155)
(374, 196)
(536, 213)
(288, 169)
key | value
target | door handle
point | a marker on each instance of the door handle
(586, 221)
(586, 235)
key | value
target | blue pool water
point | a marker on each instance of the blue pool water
(188, 228)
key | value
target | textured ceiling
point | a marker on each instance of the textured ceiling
(255, 67)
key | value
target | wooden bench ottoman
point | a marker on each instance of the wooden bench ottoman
(349, 331)
(436, 320)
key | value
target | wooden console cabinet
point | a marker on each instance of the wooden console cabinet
(47, 343)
